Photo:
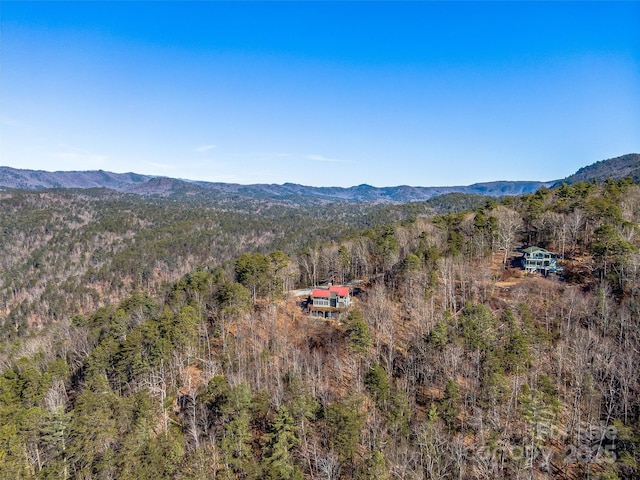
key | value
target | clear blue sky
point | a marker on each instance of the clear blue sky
(326, 93)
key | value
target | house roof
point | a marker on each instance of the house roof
(340, 291)
(535, 250)
(322, 293)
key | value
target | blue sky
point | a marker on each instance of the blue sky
(320, 93)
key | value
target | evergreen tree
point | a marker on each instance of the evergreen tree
(344, 421)
(236, 446)
(357, 332)
(451, 404)
(278, 461)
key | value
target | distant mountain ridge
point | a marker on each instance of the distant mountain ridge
(367, 193)
(40, 179)
(619, 167)
(151, 185)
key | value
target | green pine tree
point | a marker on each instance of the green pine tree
(278, 462)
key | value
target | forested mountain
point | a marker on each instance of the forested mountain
(289, 192)
(38, 179)
(158, 337)
(613, 168)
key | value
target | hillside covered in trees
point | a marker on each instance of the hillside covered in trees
(613, 168)
(161, 338)
(64, 252)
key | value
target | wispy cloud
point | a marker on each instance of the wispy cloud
(322, 158)
(73, 154)
(205, 148)
(263, 155)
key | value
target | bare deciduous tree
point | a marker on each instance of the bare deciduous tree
(509, 226)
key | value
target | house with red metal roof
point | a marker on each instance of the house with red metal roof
(328, 302)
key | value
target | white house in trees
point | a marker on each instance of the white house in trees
(536, 259)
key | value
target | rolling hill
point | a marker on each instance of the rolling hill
(615, 168)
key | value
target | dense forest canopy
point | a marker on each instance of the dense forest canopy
(161, 337)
